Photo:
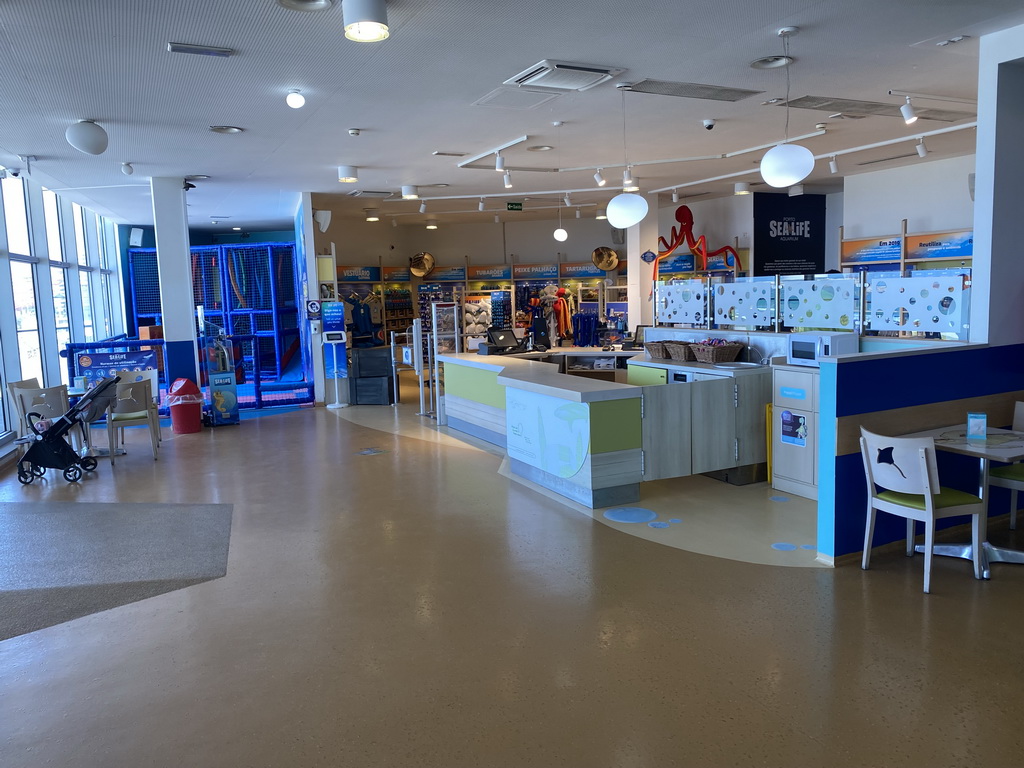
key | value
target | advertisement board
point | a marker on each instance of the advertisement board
(358, 274)
(789, 234)
(535, 271)
(941, 245)
(490, 272)
(95, 366)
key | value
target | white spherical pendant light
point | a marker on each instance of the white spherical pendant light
(625, 210)
(86, 136)
(561, 235)
(786, 165)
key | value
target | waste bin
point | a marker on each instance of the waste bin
(186, 404)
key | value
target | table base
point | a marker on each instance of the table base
(989, 554)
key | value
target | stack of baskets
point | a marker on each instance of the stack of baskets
(679, 350)
(724, 352)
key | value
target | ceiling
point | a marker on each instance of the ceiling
(414, 94)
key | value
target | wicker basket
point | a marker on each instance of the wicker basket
(655, 349)
(724, 353)
(679, 350)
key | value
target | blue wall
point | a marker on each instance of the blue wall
(854, 388)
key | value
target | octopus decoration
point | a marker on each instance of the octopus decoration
(698, 246)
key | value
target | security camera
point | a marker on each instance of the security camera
(353, 131)
(15, 172)
(709, 125)
(188, 185)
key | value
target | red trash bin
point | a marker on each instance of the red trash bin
(186, 405)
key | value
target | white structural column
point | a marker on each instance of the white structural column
(174, 265)
(998, 274)
(639, 274)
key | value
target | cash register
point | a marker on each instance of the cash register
(500, 342)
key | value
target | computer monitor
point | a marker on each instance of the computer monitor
(638, 335)
(503, 339)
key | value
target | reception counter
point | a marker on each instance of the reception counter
(593, 440)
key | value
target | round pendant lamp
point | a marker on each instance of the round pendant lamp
(86, 136)
(786, 165)
(625, 210)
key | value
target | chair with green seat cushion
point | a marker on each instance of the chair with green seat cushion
(132, 406)
(1012, 475)
(903, 480)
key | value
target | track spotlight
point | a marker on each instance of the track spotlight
(508, 180)
(599, 178)
(480, 206)
(499, 162)
(628, 185)
(497, 219)
(348, 174)
(566, 200)
(833, 166)
(922, 150)
(796, 190)
(366, 21)
(578, 215)
(907, 110)
(295, 99)
(423, 206)
(394, 222)
(409, 192)
(675, 195)
(741, 188)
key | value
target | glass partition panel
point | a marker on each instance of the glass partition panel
(743, 302)
(933, 304)
(681, 301)
(821, 302)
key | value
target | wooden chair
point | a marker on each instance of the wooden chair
(903, 480)
(1012, 475)
(132, 406)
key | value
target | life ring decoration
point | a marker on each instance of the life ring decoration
(698, 246)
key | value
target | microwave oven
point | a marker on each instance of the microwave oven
(809, 348)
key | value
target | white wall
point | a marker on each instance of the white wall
(834, 207)
(931, 196)
(721, 220)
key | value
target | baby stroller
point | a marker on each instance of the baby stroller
(48, 448)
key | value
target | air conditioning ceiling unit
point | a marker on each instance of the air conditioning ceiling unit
(564, 75)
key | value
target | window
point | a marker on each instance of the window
(15, 214)
(62, 322)
(78, 215)
(27, 323)
(51, 215)
(87, 329)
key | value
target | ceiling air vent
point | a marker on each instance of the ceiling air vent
(564, 76)
(369, 193)
(855, 108)
(692, 90)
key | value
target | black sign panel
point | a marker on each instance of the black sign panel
(789, 234)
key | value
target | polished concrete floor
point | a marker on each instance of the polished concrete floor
(415, 608)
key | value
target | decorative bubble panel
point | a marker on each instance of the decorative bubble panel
(934, 304)
(684, 301)
(820, 303)
(743, 302)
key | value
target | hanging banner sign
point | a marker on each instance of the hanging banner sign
(583, 269)
(676, 264)
(448, 274)
(95, 366)
(333, 313)
(397, 275)
(941, 245)
(871, 249)
(358, 274)
(535, 271)
(496, 272)
(789, 234)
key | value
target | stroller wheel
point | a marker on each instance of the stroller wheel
(88, 463)
(73, 473)
(38, 471)
(25, 475)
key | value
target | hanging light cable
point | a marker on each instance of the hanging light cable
(626, 209)
(560, 234)
(786, 164)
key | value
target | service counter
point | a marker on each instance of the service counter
(593, 440)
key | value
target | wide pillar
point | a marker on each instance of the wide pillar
(640, 238)
(174, 266)
(998, 277)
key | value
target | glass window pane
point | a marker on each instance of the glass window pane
(58, 279)
(14, 212)
(86, 307)
(23, 282)
(78, 214)
(51, 212)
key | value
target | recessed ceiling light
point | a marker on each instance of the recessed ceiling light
(226, 129)
(436, 186)
(237, 229)
(306, 5)
(198, 177)
(772, 62)
(540, 148)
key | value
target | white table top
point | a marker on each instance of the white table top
(1001, 444)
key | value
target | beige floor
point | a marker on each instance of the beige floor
(416, 608)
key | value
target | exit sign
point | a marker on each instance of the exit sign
(513, 206)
